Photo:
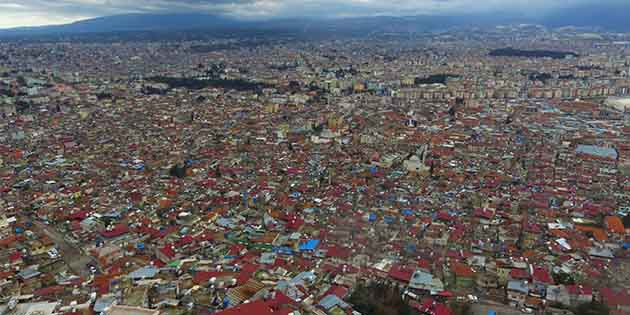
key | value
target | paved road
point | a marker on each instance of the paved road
(70, 253)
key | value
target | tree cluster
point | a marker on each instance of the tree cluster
(379, 299)
(511, 52)
(592, 308)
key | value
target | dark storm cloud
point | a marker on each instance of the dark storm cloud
(34, 12)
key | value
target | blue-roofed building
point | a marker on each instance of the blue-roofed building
(267, 258)
(303, 278)
(146, 272)
(289, 290)
(104, 303)
(283, 250)
(421, 280)
(30, 272)
(601, 152)
(226, 223)
(389, 219)
(331, 300)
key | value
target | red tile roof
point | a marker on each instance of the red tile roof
(79, 215)
(49, 290)
(519, 274)
(168, 251)
(338, 252)
(400, 273)
(118, 230)
(15, 256)
(462, 270)
(340, 291)
(542, 275)
(614, 297)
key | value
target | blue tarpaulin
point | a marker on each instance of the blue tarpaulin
(411, 248)
(309, 245)
(407, 212)
(372, 217)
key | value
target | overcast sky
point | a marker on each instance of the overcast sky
(43, 12)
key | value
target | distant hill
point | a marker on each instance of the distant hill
(130, 22)
(197, 21)
(612, 17)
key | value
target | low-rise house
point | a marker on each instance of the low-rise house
(487, 280)
(517, 291)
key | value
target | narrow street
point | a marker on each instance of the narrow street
(71, 255)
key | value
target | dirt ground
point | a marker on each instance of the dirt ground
(483, 308)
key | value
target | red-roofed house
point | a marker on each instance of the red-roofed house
(166, 253)
(340, 291)
(541, 275)
(464, 275)
(16, 258)
(50, 291)
(338, 252)
(424, 264)
(79, 215)
(400, 273)
(118, 230)
(519, 274)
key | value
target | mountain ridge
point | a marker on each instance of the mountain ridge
(607, 17)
